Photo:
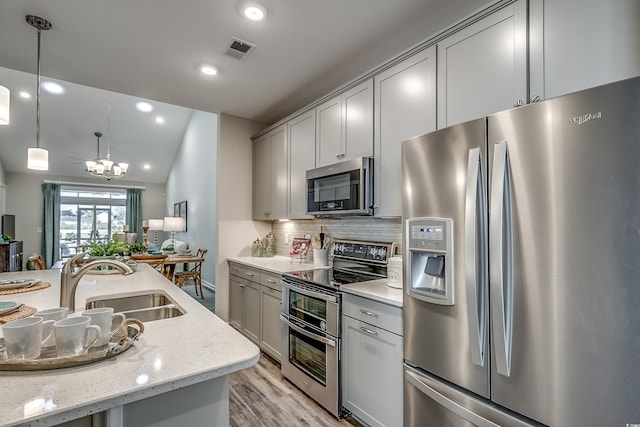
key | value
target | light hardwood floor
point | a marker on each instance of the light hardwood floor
(261, 397)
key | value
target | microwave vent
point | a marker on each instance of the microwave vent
(239, 49)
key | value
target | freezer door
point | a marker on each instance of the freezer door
(444, 176)
(432, 403)
(565, 257)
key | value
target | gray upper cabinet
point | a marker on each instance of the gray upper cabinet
(344, 126)
(270, 175)
(405, 106)
(302, 142)
(586, 43)
(482, 69)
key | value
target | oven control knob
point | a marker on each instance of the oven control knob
(323, 325)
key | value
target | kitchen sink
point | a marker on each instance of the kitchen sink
(154, 313)
(146, 307)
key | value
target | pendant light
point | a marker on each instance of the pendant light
(5, 97)
(38, 158)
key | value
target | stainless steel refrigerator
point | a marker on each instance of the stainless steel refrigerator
(522, 266)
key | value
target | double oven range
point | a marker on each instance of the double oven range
(311, 317)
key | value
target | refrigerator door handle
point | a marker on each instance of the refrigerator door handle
(475, 256)
(447, 403)
(501, 258)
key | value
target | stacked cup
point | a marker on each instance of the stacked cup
(71, 336)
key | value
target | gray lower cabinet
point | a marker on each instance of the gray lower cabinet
(251, 326)
(372, 384)
(254, 307)
(270, 326)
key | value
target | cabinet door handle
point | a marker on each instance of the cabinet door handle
(368, 331)
(338, 156)
(536, 98)
(241, 285)
(368, 313)
(518, 103)
(271, 281)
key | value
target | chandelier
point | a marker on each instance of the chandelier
(105, 168)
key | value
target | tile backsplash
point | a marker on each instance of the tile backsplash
(357, 228)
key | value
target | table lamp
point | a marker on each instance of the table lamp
(173, 224)
(156, 225)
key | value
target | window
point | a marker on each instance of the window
(89, 215)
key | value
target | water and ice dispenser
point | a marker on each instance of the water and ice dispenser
(430, 264)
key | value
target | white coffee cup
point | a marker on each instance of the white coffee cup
(108, 321)
(74, 335)
(23, 338)
(54, 314)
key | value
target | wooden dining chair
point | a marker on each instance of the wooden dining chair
(38, 262)
(195, 273)
(155, 261)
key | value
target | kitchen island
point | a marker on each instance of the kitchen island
(175, 374)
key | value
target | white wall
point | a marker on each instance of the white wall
(236, 229)
(24, 200)
(193, 178)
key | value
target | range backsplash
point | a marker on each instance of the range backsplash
(360, 228)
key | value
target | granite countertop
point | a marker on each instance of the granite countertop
(170, 354)
(277, 264)
(376, 290)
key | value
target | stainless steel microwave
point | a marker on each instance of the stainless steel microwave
(344, 188)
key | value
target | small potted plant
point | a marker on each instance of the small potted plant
(168, 250)
(136, 248)
(6, 238)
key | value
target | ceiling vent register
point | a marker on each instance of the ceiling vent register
(239, 49)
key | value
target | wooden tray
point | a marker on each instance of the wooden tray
(48, 360)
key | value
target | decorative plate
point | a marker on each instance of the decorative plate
(16, 283)
(7, 307)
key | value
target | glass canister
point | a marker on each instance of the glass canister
(256, 248)
(269, 245)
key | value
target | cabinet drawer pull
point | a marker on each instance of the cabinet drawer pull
(271, 281)
(249, 274)
(368, 331)
(368, 313)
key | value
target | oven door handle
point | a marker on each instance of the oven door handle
(311, 335)
(308, 292)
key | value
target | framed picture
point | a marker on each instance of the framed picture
(180, 210)
(299, 247)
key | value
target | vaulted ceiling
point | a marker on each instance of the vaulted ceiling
(109, 54)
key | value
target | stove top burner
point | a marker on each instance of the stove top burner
(331, 278)
(353, 262)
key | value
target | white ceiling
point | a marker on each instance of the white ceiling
(152, 49)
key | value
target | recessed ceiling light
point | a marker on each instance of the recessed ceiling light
(209, 70)
(143, 106)
(146, 166)
(53, 88)
(254, 11)
(160, 120)
(24, 94)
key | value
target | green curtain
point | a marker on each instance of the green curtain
(134, 212)
(51, 223)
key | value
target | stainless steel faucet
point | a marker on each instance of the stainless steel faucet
(69, 278)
